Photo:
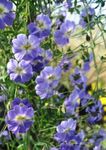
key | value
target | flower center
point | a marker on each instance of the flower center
(40, 24)
(76, 77)
(27, 46)
(21, 118)
(21, 104)
(51, 77)
(66, 66)
(68, 33)
(73, 142)
(67, 130)
(19, 70)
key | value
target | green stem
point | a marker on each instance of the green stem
(92, 43)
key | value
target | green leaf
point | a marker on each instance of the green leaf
(20, 147)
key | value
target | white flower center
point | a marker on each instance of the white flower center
(19, 70)
(68, 33)
(21, 118)
(27, 46)
(41, 24)
(51, 77)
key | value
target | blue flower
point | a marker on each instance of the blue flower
(25, 47)
(78, 79)
(67, 136)
(71, 103)
(47, 81)
(87, 99)
(19, 119)
(86, 17)
(3, 98)
(6, 15)
(65, 63)
(97, 139)
(5, 134)
(69, 3)
(66, 126)
(19, 72)
(41, 60)
(41, 27)
(63, 34)
(87, 61)
(64, 130)
(95, 112)
(69, 147)
(18, 101)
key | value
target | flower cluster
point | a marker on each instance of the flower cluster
(67, 136)
(80, 103)
(77, 141)
(30, 57)
(19, 118)
(6, 15)
(32, 60)
(81, 98)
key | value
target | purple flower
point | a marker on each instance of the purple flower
(44, 90)
(68, 3)
(5, 134)
(41, 27)
(87, 61)
(50, 75)
(3, 98)
(65, 63)
(25, 47)
(86, 17)
(66, 147)
(71, 103)
(19, 119)
(97, 139)
(20, 102)
(95, 112)
(78, 79)
(66, 126)
(59, 15)
(47, 81)
(19, 72)
(69, 147)
(67, 136)
(64, 130)
(47, 56)
(99, 147)
(63, 34)
(6, 14)
(41, 60)
(87, 99)
(87, 11)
